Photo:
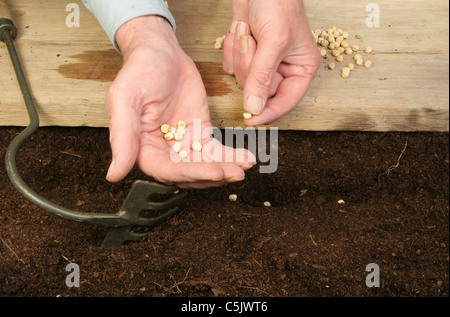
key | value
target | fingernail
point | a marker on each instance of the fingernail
(255, 105)
(241, 29)
(233, 27)
(233, 179)
(111, 167)
(243, 44)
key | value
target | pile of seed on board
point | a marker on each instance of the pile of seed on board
(177, 133)
(335, 42)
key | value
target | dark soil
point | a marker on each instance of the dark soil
(305, 244)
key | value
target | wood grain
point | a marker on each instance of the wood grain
(70, 69)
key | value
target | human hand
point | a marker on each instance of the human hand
(158, 83)
(271, 51)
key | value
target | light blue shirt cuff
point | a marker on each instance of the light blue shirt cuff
(112, 14)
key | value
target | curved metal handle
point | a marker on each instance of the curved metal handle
(136, 201)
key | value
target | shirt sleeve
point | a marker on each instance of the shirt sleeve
(112, 14)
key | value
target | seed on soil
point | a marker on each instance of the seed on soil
(267, 204)
(232, 197)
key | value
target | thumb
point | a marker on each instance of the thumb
(123, 135)
(262, 76)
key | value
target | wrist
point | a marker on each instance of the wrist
(143, 31)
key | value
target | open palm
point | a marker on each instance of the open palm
(158, 84)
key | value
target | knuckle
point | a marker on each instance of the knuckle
(263, 79)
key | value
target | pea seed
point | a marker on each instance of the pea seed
(232, 197)
(345, 72)
(177, 147)
(368, 50)
(324, 43)
(339, 58)
(178, 136)
(267, 204)
(165, 128)
(183, 153)
(181, 124)
(359, 36)
(323, 52)
(355, 48)
(351, 66)
(197, 146)
(348, 51)
(344, 44)
(247, 115)
(331, 65)
(336, 53)
(356, 57)
(367, 64)
(168, 136)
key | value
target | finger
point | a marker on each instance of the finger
(157, 163)
(290, 92)
(247, 49)
(242, 31)
(240, 13)
(215, 151)
(232, 174)
(124, 129)
(260, 80)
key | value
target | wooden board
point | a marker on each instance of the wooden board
(70, 69)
